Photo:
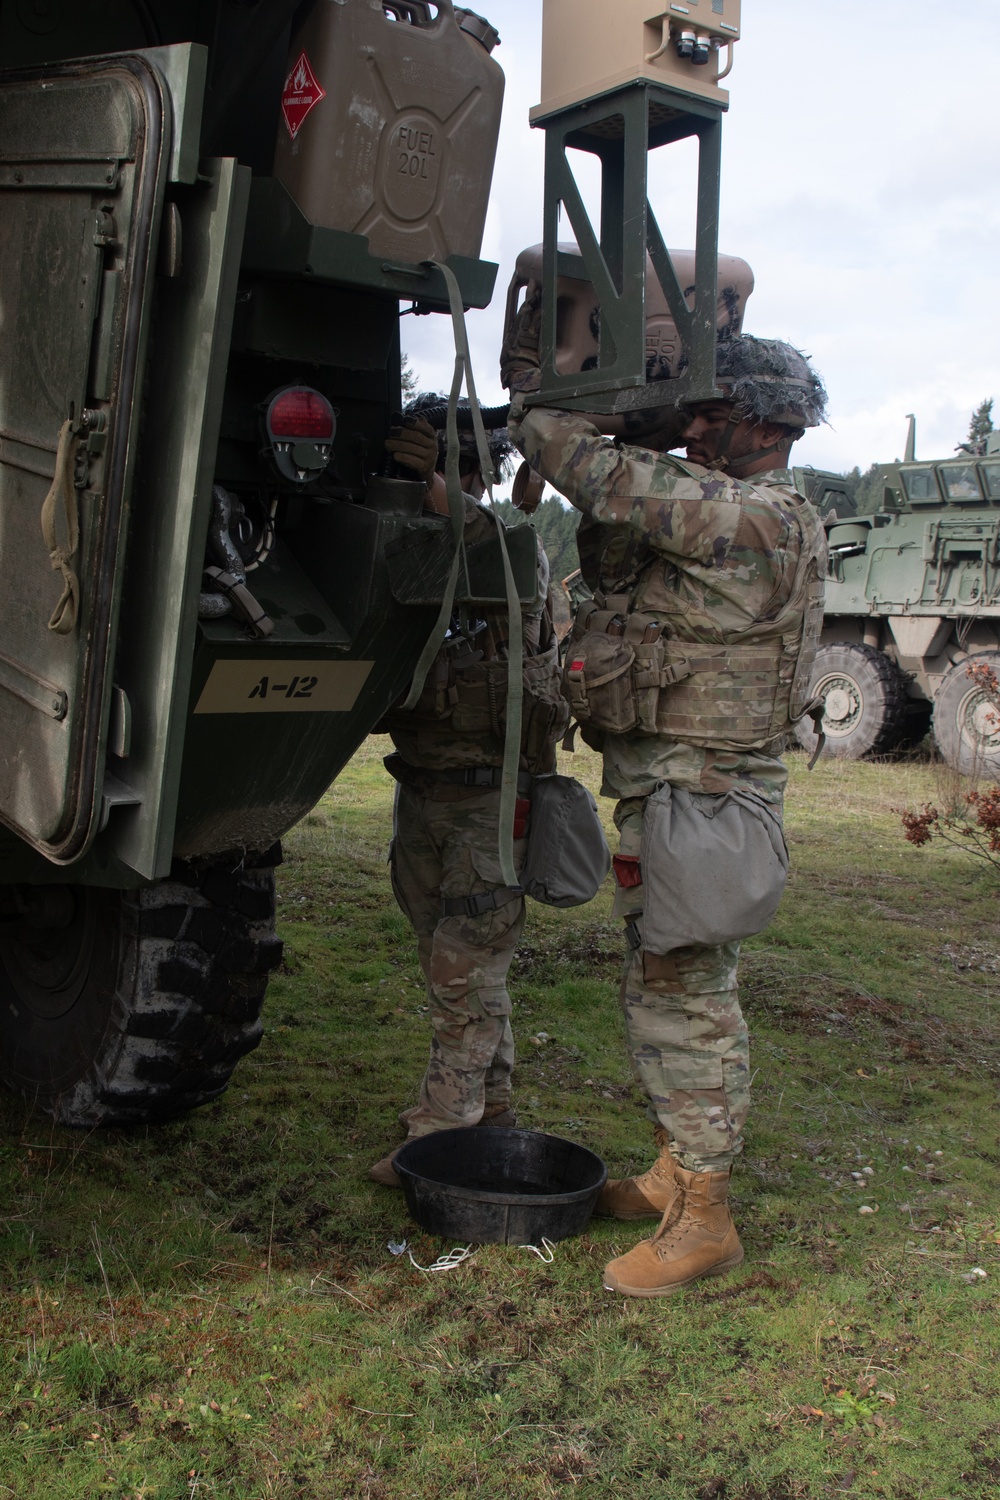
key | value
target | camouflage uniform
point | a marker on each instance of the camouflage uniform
(714, 559)
(444, 849)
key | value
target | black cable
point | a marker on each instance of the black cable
(148, 22)
(437, 417)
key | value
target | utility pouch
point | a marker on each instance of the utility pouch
(713, 868)
(597, 671)
(644, 635)
(568, 855)
(544, 711)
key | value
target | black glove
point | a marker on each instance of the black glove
(415, 445)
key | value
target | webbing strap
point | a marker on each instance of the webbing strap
(477, 906)
(456, 511)
(64, 616)
(815, 710)
(515, 638)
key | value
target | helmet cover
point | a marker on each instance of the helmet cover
(770, 381)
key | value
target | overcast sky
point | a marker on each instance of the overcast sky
(860, 180)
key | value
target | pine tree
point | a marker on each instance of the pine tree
(865, 489)
(980, 427)
(407, 379)
(556, 524)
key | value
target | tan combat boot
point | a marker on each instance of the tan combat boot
(384, 1172)
(500, 1116)
(651, 1196)
(700, 1241)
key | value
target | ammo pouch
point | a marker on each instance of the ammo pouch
(477, 695)
(713, 868)
(568, 855)
(616, 664)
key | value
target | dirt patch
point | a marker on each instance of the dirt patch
(970, 958)
(595, 952)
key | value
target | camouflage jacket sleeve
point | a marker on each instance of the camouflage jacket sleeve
(726, 536)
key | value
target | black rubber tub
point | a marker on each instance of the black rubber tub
(500, 1186)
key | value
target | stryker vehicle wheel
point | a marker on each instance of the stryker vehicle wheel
(129, 1006)
(864, 693)
(966, 725)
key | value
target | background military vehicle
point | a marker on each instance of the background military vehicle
(912, 602)
(210, 591)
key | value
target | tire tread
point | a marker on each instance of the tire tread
(206, 945)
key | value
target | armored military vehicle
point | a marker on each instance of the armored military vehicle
(210, 589)
(912, 603)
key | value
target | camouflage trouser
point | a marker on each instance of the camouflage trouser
(449, 849)
(687, 1039)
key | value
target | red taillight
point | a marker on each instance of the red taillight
(301, 413)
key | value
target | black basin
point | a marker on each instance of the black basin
(499, 1186)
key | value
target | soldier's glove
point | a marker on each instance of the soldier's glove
(415, 445)
(519, 370)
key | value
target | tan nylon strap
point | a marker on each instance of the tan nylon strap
(67, 611)
(515, 625)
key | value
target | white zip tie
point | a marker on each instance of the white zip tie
(546, 1255)
(448, 1262)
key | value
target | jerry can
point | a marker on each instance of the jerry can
(578, 314)
(390, 117)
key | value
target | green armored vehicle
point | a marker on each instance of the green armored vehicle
(211, 590)
(912, 603)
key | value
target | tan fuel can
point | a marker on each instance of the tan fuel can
(390, 118)
(578, 313)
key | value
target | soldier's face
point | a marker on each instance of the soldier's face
(706, 431)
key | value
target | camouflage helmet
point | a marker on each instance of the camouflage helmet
(770, 381)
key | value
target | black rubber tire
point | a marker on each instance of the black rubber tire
(872, 705)
(138, 1008)
(972, 748)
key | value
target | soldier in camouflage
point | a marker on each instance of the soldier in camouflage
(728, 559)
(444, 862)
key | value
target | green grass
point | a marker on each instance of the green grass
(211, 1310)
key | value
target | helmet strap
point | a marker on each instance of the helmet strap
(721, 459)
(749, 458)
(733, 465)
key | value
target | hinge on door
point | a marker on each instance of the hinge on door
(120, 727)
(105, 233)
(115, 793)
(95, 425)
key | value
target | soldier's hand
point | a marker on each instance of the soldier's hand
(415, 445)
(519, 355)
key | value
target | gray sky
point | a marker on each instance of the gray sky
(860, 167)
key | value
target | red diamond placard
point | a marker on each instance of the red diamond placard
(301, 93)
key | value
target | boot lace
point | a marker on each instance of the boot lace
(670, 1238)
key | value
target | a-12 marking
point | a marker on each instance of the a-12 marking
(299, 687)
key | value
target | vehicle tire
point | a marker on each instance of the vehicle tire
(964, 727)
(866, 704)
(125, 1007)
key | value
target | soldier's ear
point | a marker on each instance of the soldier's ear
(771, 435)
